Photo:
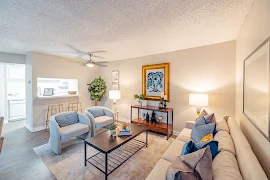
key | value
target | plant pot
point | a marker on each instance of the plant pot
(112, 132)
(144, 102)
(139, 103)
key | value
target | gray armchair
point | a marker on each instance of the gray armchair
(99, 117)
(1, 137)
(67, 125)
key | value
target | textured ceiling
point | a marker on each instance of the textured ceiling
(124, 28)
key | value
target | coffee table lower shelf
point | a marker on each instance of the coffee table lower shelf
(117, 157)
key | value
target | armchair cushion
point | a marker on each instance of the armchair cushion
(66, 118)
(103, 121)
(73, 130)
(96, 112)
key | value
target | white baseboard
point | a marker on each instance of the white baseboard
(176, 133)
(40, 128)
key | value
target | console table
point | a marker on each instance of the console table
(162, 127)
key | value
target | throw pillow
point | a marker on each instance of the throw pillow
(189, 147)
(200, 121)
(179, 170)
(66, 119)
(96, 112)
(198, 132)
(203, 113)
(206, 138)
(201, 162)
(213, 147)
(209, 118)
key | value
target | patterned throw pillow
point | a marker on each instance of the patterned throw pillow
(200, 121)
(96, 112)
(209, 118)
(66, 119)
(198, 132)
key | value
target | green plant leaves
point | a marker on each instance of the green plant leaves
(97, 89)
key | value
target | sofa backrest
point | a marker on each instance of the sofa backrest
(248, 163)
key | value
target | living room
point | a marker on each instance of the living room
(206, 46)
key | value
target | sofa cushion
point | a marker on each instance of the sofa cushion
(222, 125)
(66, 118)
(102, 121)
(185, 135)
(96, 112)
(198, 132)
(201, 162)
(73, 130)
(225, 167)
(159, 171)
(225, 142)
(173, 150)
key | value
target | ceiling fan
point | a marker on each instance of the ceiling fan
(89, 62)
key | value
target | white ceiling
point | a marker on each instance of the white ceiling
(124, 28)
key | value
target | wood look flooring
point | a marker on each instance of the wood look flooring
(18, 159)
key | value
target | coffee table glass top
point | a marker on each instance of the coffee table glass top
(105, 143)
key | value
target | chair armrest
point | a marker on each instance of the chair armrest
(108, 112)
(83, 118)
(189, 124)
(92, 122)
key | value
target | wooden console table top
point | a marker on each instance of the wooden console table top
(154, 108)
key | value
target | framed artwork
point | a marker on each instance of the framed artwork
(256, 88)
(48, 92)
(115, 76)
(156, 79)
(115, 86)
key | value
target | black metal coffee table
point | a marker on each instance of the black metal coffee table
(114, 151)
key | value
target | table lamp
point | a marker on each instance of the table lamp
(198, 100)
(114, 95)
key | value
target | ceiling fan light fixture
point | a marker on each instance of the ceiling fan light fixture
(90, 64)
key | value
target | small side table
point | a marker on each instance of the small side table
(116, 116)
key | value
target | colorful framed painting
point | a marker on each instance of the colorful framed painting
(156, 81)
(115, 76)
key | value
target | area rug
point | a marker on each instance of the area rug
(70, 164)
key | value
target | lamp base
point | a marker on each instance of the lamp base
(198, 109)
(114, 109)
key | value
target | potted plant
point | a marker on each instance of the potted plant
(112, 129)
(141, 99)
(97, 89)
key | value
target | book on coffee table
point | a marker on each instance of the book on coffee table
(124, 132)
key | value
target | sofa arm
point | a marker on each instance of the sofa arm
(83, 118)
(189, 124)
(92, 122)
(55, 134)
(108, 112)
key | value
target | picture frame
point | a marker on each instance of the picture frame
(115, 76)
(156, 80)
(48, 91)
(115, 86)
(256, 88)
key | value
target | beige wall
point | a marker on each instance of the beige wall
(40, 65)
(255, 30)
(208, 69)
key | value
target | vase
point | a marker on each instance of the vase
(139, 103)
(144, 102)
(112, 132)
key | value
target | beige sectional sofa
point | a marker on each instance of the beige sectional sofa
(235, 160)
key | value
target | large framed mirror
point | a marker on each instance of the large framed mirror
(256, 87)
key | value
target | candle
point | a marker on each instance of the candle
(162, 94)
(165, 97)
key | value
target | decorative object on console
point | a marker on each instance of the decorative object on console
(198, 100)
(143, 116)
(159, 119)
(97, 89)
(48, 92)
(256, 93)
(153, 117)
(147, 117)
(155, 79)
(140, 98)
(114, 95)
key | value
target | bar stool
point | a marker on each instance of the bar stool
(53, 109)
(75, 106)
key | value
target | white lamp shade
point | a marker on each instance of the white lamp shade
(198, 99)
(114, 94)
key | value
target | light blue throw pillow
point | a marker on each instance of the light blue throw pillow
(96, 112)
(198, 132)
(200, 121)
(66, 119)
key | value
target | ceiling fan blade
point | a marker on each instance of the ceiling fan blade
(101, 51)
(97, 56)
(76, 62)
(101, 65)
(102, 62)
(75, 49)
